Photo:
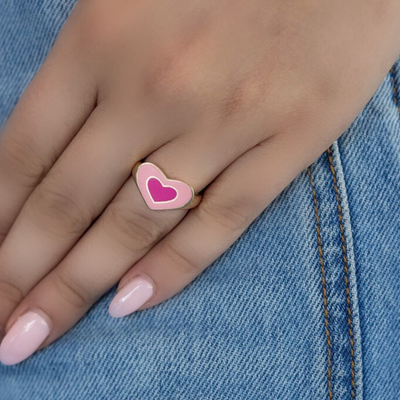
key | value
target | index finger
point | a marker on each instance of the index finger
(49, 114)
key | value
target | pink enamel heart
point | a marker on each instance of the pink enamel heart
(159, 192)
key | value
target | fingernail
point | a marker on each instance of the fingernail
(24, 338)
(131, 297)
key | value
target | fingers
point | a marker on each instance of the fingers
(125, 231)
(49, 114)
(76, 190)
(228, 207)
(123, 234)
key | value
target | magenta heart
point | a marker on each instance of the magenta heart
(159, 192)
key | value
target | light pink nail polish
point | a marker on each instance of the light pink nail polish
(133, 295)
(23, 339)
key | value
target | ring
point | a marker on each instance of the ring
(160, 192)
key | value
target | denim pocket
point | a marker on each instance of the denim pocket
(370, 156)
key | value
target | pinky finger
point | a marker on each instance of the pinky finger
(233, 200)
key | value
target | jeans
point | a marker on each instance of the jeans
(304, 305)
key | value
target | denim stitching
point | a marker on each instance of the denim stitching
(346, 273)
(395, 92)
(323, 281)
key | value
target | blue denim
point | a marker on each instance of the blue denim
(305, 305)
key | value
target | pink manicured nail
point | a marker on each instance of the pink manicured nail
(131, 297)
(23, 339)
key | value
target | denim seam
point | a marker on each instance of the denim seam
(346, 273)
(395, 91)
(323, 281)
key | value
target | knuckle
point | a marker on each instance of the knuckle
(10, 292)
(20, 159)
(135, 231)
(161, 79)
(240, 98)
(232, 215)
(301, 109)
(71, 290)
(170, 251)
(174, 77)
(60, 207)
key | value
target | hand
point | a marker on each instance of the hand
(233, 97)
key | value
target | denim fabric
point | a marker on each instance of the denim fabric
(305, 305)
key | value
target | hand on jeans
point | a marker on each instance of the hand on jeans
(235, 98)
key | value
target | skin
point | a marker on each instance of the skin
(235, 98)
